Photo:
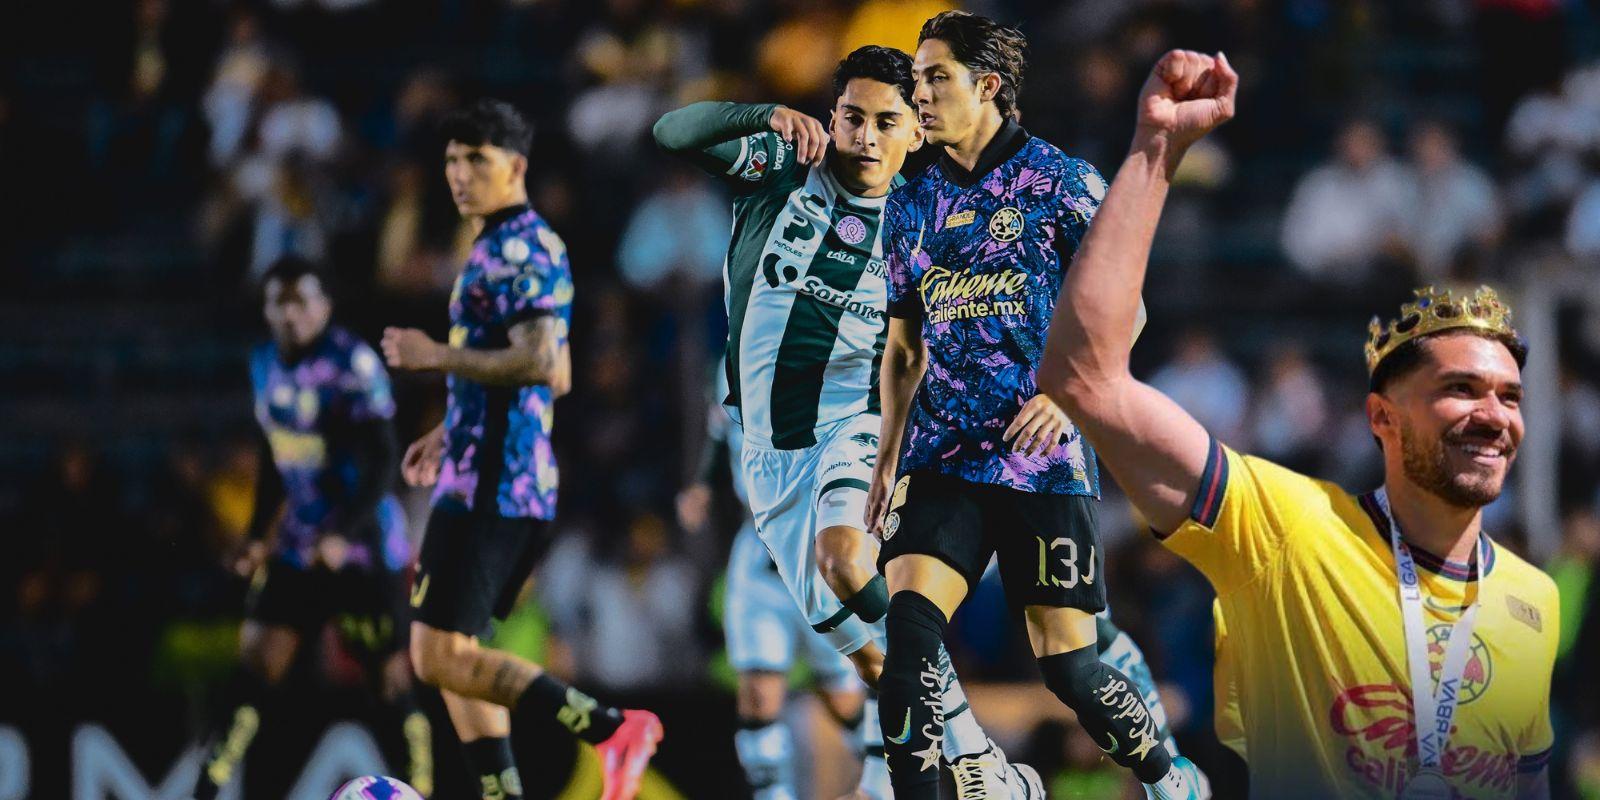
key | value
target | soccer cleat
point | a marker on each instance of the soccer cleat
(1025, 783)
(624, 756)
(1184, 782)
(990, 775)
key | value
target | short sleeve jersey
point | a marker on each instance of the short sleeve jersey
(306, 410)
(1314, 684)
(978, 258)
(498, 457)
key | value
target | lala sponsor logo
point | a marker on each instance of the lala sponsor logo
(949, 295)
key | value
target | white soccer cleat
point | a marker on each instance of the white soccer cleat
(1188, 783)
(988, 775)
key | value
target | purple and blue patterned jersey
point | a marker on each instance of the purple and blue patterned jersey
(310, 411)
(978, 257)
(498, 457)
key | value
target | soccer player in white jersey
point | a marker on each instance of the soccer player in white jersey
(806, 299)
(766, 635)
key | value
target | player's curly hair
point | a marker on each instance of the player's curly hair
(491, 122)
(884, 64)
(983, 45)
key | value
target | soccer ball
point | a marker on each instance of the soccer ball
(376, 787)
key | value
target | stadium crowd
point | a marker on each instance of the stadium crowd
(157, 165)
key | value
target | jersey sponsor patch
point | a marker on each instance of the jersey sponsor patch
(851, 230)
(1525, 613)
(960, 218)
(755, 167)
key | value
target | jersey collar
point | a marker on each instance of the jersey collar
(850, 198)
(498, 218)
(1454, 570)
(1007, 142)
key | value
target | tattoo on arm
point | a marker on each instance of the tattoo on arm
(539, 340)
(532, 359)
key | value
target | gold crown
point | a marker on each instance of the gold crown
(1435, 311)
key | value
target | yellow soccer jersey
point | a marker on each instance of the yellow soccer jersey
(1314, 688)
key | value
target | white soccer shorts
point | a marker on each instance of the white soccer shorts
(793, 495)
(763, 627)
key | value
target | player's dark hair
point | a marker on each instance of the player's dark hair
(491, 122)
(874, 62)
(289, 269)
(983, 45)
(1409, 356)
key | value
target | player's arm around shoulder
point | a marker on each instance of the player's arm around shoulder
(748, 145)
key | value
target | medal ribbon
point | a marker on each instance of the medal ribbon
(1434, 708)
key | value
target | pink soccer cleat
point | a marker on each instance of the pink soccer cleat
(624, 756)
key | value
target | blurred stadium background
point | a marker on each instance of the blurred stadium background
(157, 154)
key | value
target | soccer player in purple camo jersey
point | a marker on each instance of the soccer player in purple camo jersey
(338, 548)
(973, 460)
(494, 470)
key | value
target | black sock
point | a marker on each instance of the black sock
(872, 602)
(1109, 707)
(490, 760)
(910, 709)
(418, 734)
(234, 724)
(548, 698)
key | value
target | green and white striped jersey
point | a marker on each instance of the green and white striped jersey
(804, 278)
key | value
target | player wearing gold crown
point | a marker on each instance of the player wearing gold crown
(1380, 645)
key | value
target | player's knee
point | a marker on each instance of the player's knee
(845, 707)
(437, 655)
(1072, 677)
(760, 695)
(837, 550)
(868, 661)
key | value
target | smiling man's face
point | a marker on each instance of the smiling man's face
(1455, 420)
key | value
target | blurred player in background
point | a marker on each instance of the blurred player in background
(1372, 646)
(322, 399)
(806, 298)
(979, 463)
(493, 466)
(765, 633)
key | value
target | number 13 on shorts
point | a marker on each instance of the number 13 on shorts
(1064, 552)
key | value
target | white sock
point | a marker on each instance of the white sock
(874, 770)
(1172, 786)
(767, 755)
(875, 778)
(962, 734)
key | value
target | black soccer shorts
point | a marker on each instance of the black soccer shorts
(1048, 544)
(473, 566)
(367, 604)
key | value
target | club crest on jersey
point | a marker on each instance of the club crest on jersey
(891, 525)
(1479, 669)
(1006, 224)
(851, 230)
